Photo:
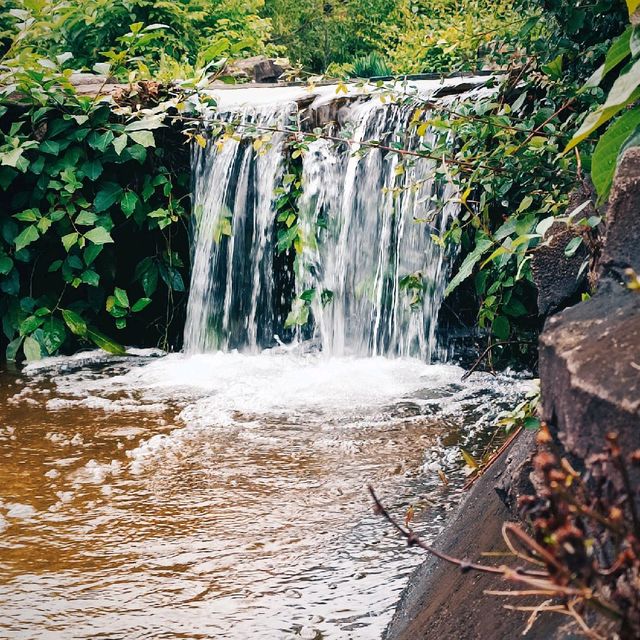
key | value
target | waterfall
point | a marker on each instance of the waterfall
(367, 277)
(231, 301)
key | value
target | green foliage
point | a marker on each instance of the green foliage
(156, 38)
(446, 35)
(371, 66)
(90, 204)
(621, 99)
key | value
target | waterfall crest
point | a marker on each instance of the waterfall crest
(366, 272)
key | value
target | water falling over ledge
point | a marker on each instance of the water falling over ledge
(363, 276)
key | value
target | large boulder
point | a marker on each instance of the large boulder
(590, 353)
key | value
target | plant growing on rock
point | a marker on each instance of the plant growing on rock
(581, 557)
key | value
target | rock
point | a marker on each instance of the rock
(622, 241)
(259, 69)
(590, 370)
(558, 278)
(590, 353)
(515, 480)
(267, 71)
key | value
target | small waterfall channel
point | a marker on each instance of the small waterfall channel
(362, 275)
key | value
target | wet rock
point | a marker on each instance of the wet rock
(515, 480)
(443, 602)
(590, 370)
(558, 278)
(590, 353)
(622, 242)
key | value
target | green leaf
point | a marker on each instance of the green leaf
(13, 347)
(501, 328)
(28, 235)
(91, 252)
(121, 297)
(514, 308)
(107, 196)
(572, 246)
(105, 343)
(618, 51)
(11, 158)
(6, 264)
(30, 324)
(120, 143)
(466, 269)
(143, 138)
(624, 91)
(496, 254)
(147, 123)
(100, 141)
(136, 152)
(90, 277)
(92, 169)
(149, 279)
(69, 240)
(605, 155)
(30, 215)
(50, 146)
(54, 334)
(141, 304)
(31, 349)
(129, 202)
(172, 278)
(77, 325)
(99, 235)
(86, 218)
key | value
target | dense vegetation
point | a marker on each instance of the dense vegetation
(94, 221)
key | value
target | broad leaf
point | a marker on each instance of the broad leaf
(619, 50)
(466, 269)
(28, 235)
(105, 343)
(129, 202)
(141, 304)
(605, 155)
(623, 92)
(144, 138)
(77, 325)
(100, 141)
(99, 235)
(31, 349)
(120, 143)
(110, 193)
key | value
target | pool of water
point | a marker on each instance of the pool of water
(222, 495)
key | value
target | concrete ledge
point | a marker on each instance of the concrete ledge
(441, 602)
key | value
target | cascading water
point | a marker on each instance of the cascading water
(367, 274)
(374, 259)
(232, 282)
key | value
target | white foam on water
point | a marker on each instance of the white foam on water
(219, 384)
(20, 511)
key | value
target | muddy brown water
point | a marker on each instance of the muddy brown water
(176, 498)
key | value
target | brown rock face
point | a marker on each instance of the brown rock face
(590, 353)
(557, 277)
(622, 243)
